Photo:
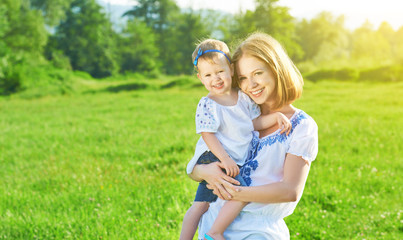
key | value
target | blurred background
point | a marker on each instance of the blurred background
(43, 41)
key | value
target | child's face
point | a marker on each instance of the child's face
(216, 75)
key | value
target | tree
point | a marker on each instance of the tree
(155, 13)
(4, 26)
(386, 30)
(137, 48)
(273, 19)
(162, 17)
(87, 38)
(22, 39)
(181, 39)
(26, 32)
(324, 38)
(53, 11)
(370, 47)
(243, 24)
(398, 50)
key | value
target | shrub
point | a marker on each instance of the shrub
(339, 74)
(391, 73)
(11, 75)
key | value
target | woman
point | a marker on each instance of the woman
(278, 165)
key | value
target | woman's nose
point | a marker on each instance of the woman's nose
(252, 83)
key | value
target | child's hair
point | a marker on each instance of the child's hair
(210, 44)
(289, 81)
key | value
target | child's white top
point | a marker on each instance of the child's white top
(265, 165)
(232, 126)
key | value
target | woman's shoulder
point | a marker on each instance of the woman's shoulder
(304, 137)
(302, 119)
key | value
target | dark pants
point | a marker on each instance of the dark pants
(204, 194)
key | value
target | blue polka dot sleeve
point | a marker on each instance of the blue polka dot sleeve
(206, 116)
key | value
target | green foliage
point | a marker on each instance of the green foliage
(323, 38)
(182, 38)
(4, 25)
(369, 45)
(10, 75)
(391, 73)
(161, 17)
(346, 74)
(53, 10)
(23, 29)
(397, 50)
(242, 25)
(86, 37)
(276, 20)
(157, 14)
(42, 80)
(183, 82)
(160, 38)
(271, 18)
(109, 164)
(137, 48)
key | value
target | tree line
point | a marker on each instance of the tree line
(159, 37)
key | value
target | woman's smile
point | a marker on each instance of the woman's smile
(257, 93)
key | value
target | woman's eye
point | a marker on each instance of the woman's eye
(242, 78)
(258, 73)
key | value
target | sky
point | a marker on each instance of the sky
(356, 12)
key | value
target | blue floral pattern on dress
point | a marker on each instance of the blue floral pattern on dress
(282, 137)
(257, 144)
(251, 164)
(247, 169)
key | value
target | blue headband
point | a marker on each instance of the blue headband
(200, 52)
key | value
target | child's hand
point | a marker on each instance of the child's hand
(230, 167)
(284, 123)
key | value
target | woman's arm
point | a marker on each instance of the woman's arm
(214, 176)
(288, 190)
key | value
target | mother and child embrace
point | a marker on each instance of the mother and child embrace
(255, 150)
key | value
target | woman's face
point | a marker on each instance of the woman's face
(256, 79)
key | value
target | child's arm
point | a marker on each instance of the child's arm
(269, 120)
(216, 147)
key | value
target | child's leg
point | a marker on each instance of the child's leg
(191, 219)
(225, 217)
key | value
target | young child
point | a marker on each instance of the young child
(225, 118)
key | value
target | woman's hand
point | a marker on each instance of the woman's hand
(212, 173)
(231, 191)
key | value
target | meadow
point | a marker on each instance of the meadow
(108, 161)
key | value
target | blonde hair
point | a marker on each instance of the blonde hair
(289, 81)
(209, 44)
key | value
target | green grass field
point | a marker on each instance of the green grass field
(109, 162)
